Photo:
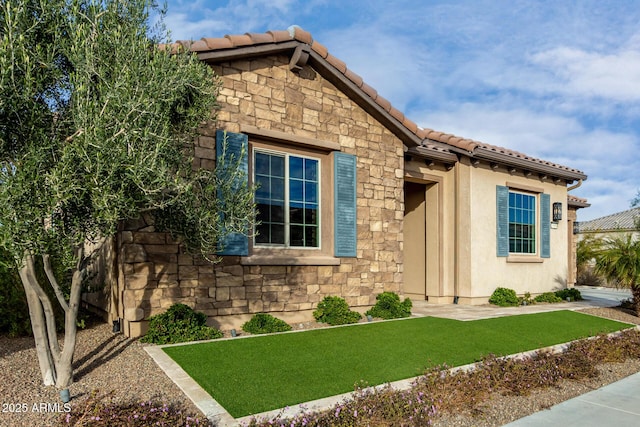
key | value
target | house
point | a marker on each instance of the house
(611, 226)
(355, 199)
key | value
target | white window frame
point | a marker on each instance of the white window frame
(287, 222)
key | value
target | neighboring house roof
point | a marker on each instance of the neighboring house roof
(621, 221)
(424, 143)
(577, 202)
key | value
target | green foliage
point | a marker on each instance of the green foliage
(526, 299)
(619, 262)
(571, 293)
(14, 313)
(504, 297)
(586, 250)
(335, 311)
(388, 306)
(179, 324)
(547, 297)
(263, 323)
(98, 123)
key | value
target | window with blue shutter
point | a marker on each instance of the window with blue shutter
(502, 220)
(518, 222)
(345, 205)
(545, 226)
(233, 146)
(287, 199)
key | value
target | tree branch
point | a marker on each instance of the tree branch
(48, 269)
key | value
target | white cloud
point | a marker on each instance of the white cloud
(614, 76)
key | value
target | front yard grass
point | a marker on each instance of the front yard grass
(249, 376)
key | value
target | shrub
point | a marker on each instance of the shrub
(572, 293)
(548, 297)
(526, 299)
(504, 297)
(388, 306)
(335, 311)
(179, 324)
(263, 323)
(102, 410)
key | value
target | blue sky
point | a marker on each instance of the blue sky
(559, 80)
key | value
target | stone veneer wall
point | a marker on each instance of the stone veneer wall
(154, 273)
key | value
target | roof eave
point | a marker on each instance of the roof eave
(524, 164)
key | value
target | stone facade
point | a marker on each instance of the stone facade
(154, 272)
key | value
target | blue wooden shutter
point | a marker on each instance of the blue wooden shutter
(502, 220)
(345, 204)
(545, 226)
(237, 145)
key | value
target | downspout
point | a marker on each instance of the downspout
(573, 187)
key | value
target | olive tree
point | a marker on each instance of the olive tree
(97, 124)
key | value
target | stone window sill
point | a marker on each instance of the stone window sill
(284, 260)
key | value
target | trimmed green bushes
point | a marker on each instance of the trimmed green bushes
(335, 311)
(571, 293)
(388, 306)
(548, 297)
(504, 297)
(263, 323)
(179, 324)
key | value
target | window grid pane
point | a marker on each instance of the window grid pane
(270, 198)
(522, 223)
(303, 197)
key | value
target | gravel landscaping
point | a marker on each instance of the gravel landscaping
(110, 362)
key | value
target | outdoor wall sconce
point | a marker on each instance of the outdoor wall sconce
(557, 211)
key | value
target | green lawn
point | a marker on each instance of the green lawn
(249, 376)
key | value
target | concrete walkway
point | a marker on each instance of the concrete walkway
(617, 404)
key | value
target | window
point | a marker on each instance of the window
(522, 223)
(287, 199)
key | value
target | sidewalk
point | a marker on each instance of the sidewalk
(617, 404)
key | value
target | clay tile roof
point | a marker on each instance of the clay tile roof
(397, 114)
(301, 35)
(430, 138)
(280, 36)
(199, 45)
(373, 94)
(386, 105)
(409, 124)
(356, 79)
(259, 38)
(320, 49)
(218, 43)
(238, 40)
(337, 63)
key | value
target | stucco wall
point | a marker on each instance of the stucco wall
(488, 271)
(263, 93)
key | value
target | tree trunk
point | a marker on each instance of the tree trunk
(65, 366)
(635, 291)
(38, 325)
(56, 365)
